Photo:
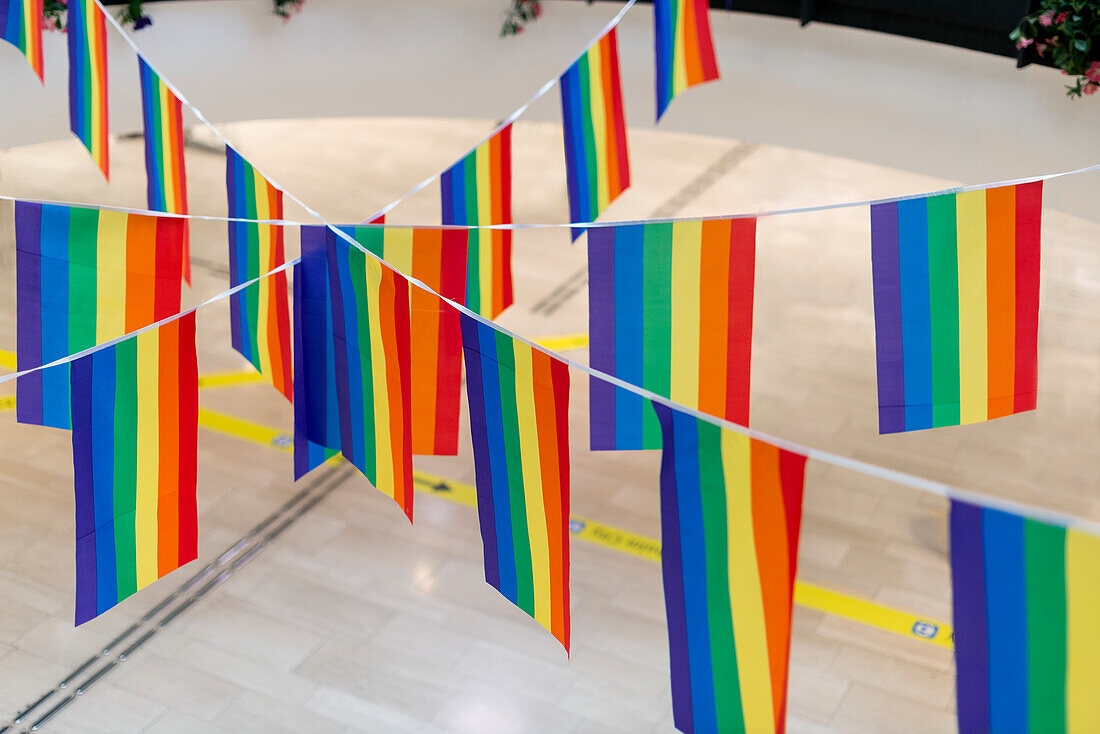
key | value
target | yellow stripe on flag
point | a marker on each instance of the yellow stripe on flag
(746, 594)
(1082, 632)
(264, 310)
(168, 159)
(484, 193)
(384, 480)
(973, 334)
(532, 482)
(111, 275)
(599, 123)
(397, 249)
(148, 456)
(687, 253)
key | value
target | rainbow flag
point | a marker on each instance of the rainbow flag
(259, 314)
(437, 257)
(1027, 623)
(519, 422)
(684, 48)
(956, 280)
(478, 190)
(21, 26)
(731, 510)
(162, 115)
(670, 310)
(135, 435)
(316, 412)
(596, 165)
(87, 33)
(84, 277)
(370, 319)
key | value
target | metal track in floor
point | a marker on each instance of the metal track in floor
(97, 667)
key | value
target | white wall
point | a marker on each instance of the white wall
(943, 111)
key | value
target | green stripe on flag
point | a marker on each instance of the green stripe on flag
(1045, 574)
(125, 459)
(943, 290)
(712, 486)
(656, 322)
(517, 501)
(357, 274)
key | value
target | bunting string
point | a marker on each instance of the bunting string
(758, 214)
(893, 476)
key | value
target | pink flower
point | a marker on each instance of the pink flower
(1024, 42)
(1093, 72)
(1046, 18)
(1040, 47)
(1091, 88)
(1061, 18)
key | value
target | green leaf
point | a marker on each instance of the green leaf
(1080, 45)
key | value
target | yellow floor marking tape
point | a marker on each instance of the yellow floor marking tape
(215, 379)
(7, 360)
(806, 595)
(563, 342)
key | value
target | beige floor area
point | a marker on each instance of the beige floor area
(351, 620)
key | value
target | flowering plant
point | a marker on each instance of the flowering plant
(286, 8)
(1067, 33)
(518, 15)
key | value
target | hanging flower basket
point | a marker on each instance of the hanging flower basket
(1066, 35)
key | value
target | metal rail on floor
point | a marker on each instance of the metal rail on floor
(210, 577)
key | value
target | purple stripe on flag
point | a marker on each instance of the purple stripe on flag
(971, 635)
(601, 328)
(28, 267)
(86, 576)
(480, 436)
(672, 573)
(886, 270)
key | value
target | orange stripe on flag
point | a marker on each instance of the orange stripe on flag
(714, 316)
(141, 238)
(1000, 206)
(770, 533)
(427, 261)
(691, 43)
(551, 486)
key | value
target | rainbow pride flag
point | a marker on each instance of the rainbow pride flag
(21, 26)
(670, 310)
(135, 436)
(596, 165)
(1027, 638)
(259, 314)
(316, 411)
(162, 115)
(87, 33)
(84, 277)
(731, 509)
(478, 190)
(437, 257)
(519, 421)
(370, 319)
(956, 280)
(684, 48)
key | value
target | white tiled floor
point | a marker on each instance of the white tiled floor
(353, 620)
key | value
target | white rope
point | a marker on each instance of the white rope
(890, 475)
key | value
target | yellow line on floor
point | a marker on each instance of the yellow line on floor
(7, 360)
(563, 342)
(807, 595)
(212, 380)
